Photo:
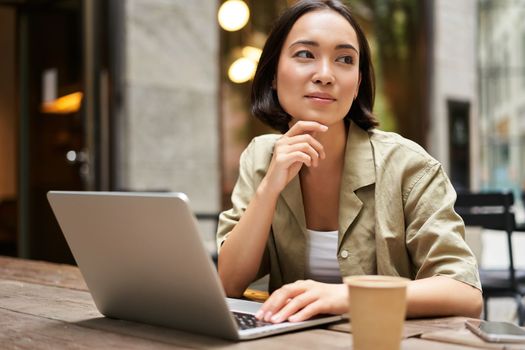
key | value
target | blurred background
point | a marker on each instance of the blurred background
(153, 95)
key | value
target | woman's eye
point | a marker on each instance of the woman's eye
(345, 59)
(303, 54)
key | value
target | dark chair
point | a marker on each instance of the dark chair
(521, 226)
(494, 211)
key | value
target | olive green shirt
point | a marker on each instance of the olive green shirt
(396, 213)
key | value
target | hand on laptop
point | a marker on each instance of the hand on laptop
(302, 300)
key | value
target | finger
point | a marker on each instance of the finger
(278, 299)
(302, 127)
(307, 312)
(288, 159)
(293, 306)
(310, 140)
(305, 148)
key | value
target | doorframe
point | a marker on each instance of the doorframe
(24, 223)
(102, 86)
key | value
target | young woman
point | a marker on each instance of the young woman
(333, 196)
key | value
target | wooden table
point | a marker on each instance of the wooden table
(47, 306)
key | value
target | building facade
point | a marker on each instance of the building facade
(502, 93)
(454, 91)
(154, 112)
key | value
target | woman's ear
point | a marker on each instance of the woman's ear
(274, 83)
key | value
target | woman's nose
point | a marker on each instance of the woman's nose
(323, 74)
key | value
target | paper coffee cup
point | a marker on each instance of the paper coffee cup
(377, 311)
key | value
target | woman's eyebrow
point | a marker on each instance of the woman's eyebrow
(346, 46)
(305, 42)
(316, 44)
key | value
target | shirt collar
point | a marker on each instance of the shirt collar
(358, 172)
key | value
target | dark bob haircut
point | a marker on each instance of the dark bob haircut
(265, 104)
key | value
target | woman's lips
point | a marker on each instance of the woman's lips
(320, 97)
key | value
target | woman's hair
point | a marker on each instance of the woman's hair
(265, 104)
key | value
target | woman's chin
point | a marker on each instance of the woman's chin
(328, 121)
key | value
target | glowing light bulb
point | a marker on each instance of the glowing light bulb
(63, 105)
(233, 15)
(242, 70)
(252, 53)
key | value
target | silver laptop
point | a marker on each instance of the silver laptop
(144, 260)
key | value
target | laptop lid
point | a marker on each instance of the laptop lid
(144, 260)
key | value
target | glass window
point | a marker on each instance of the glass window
(502, 111)
(521, 68)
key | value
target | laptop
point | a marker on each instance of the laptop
(143, 260)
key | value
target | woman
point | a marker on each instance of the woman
(333, 196)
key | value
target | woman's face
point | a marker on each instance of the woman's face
(318, 71)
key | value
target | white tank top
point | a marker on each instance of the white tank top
(322, 264)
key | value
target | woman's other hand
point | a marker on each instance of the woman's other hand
(302, 300)
(295, 148)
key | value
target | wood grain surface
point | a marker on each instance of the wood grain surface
(47, 306)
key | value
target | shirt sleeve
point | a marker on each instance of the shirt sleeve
(435, 232)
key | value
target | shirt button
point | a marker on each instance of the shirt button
(344, 254)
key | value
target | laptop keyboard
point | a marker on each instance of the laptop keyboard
(248, 321)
